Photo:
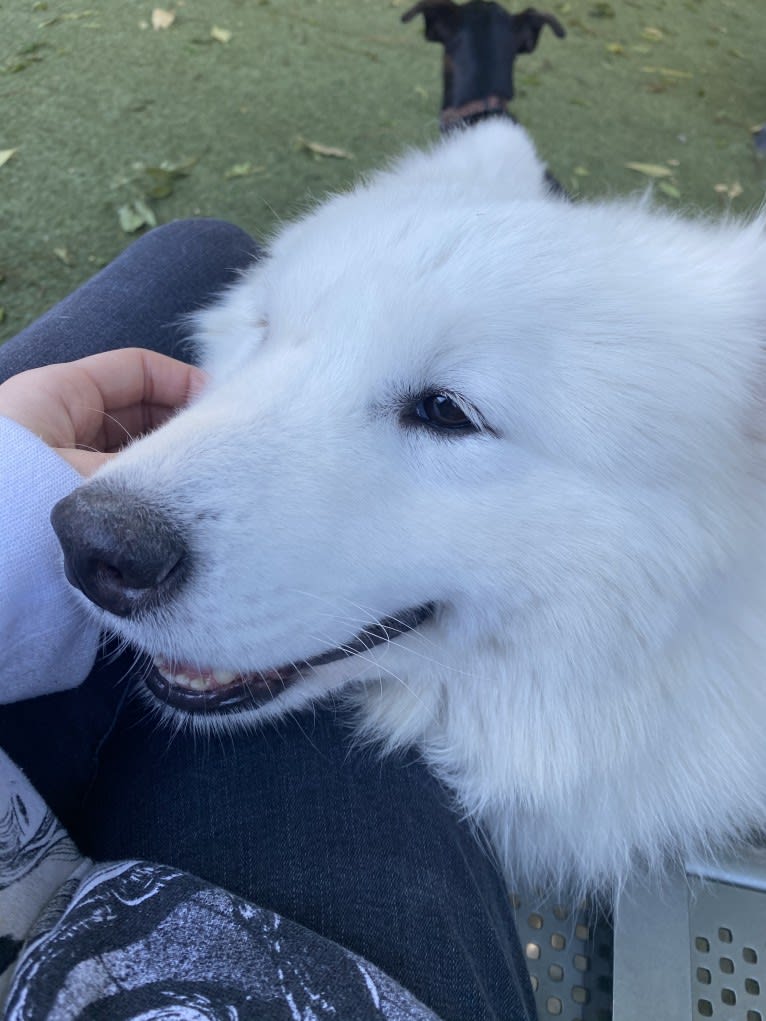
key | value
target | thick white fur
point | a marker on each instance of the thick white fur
(593, 687)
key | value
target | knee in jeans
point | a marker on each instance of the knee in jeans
(211, 232)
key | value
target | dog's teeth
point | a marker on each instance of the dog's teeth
(203, 680)
(224, 677)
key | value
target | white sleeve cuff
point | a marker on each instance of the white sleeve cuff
(48, 640)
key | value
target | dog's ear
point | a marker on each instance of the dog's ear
(442, 17)
(528, 25)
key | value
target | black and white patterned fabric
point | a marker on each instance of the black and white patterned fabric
(132, 940)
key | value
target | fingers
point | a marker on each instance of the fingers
(121, 425)
(40, 399)
(139, 390)
(100, 402)
(135, 376)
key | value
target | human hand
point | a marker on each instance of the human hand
(87, 410)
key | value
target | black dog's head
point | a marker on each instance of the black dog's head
(481, 41)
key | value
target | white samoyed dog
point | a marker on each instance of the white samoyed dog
(491, 463)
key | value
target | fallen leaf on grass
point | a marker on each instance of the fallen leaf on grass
(325, 150)
(653, 34)
(71, 16)
(616, 48)
(669, 189)
(6, 154)
(731, 191)
(242, 170)
(667, 72)
(26, 56)
(143, 184)
(649, 169)
(162, 18)
(135, 215)
(221, 35)
(161, 183)
(601, 9)
(15, 65)
(162, 178)
(64, 255)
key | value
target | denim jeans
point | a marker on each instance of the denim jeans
(364, 850)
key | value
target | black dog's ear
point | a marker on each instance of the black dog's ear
(528, 25)
(442, 17)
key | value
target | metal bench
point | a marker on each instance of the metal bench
(693, 950)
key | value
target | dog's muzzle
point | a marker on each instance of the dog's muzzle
(125, 555)
(128, 557)
(208, 690)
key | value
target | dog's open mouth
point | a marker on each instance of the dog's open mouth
(207, 690)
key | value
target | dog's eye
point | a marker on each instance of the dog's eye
(440, 411)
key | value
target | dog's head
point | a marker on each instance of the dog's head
(458, 433)
(481, 41)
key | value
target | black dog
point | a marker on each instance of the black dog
(481, 40)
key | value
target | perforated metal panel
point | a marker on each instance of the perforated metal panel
(692, 950)
(569, 956)
(695, 948)
(728, 946)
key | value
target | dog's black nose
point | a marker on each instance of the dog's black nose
(121, 552)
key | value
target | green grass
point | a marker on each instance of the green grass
(89, 97)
